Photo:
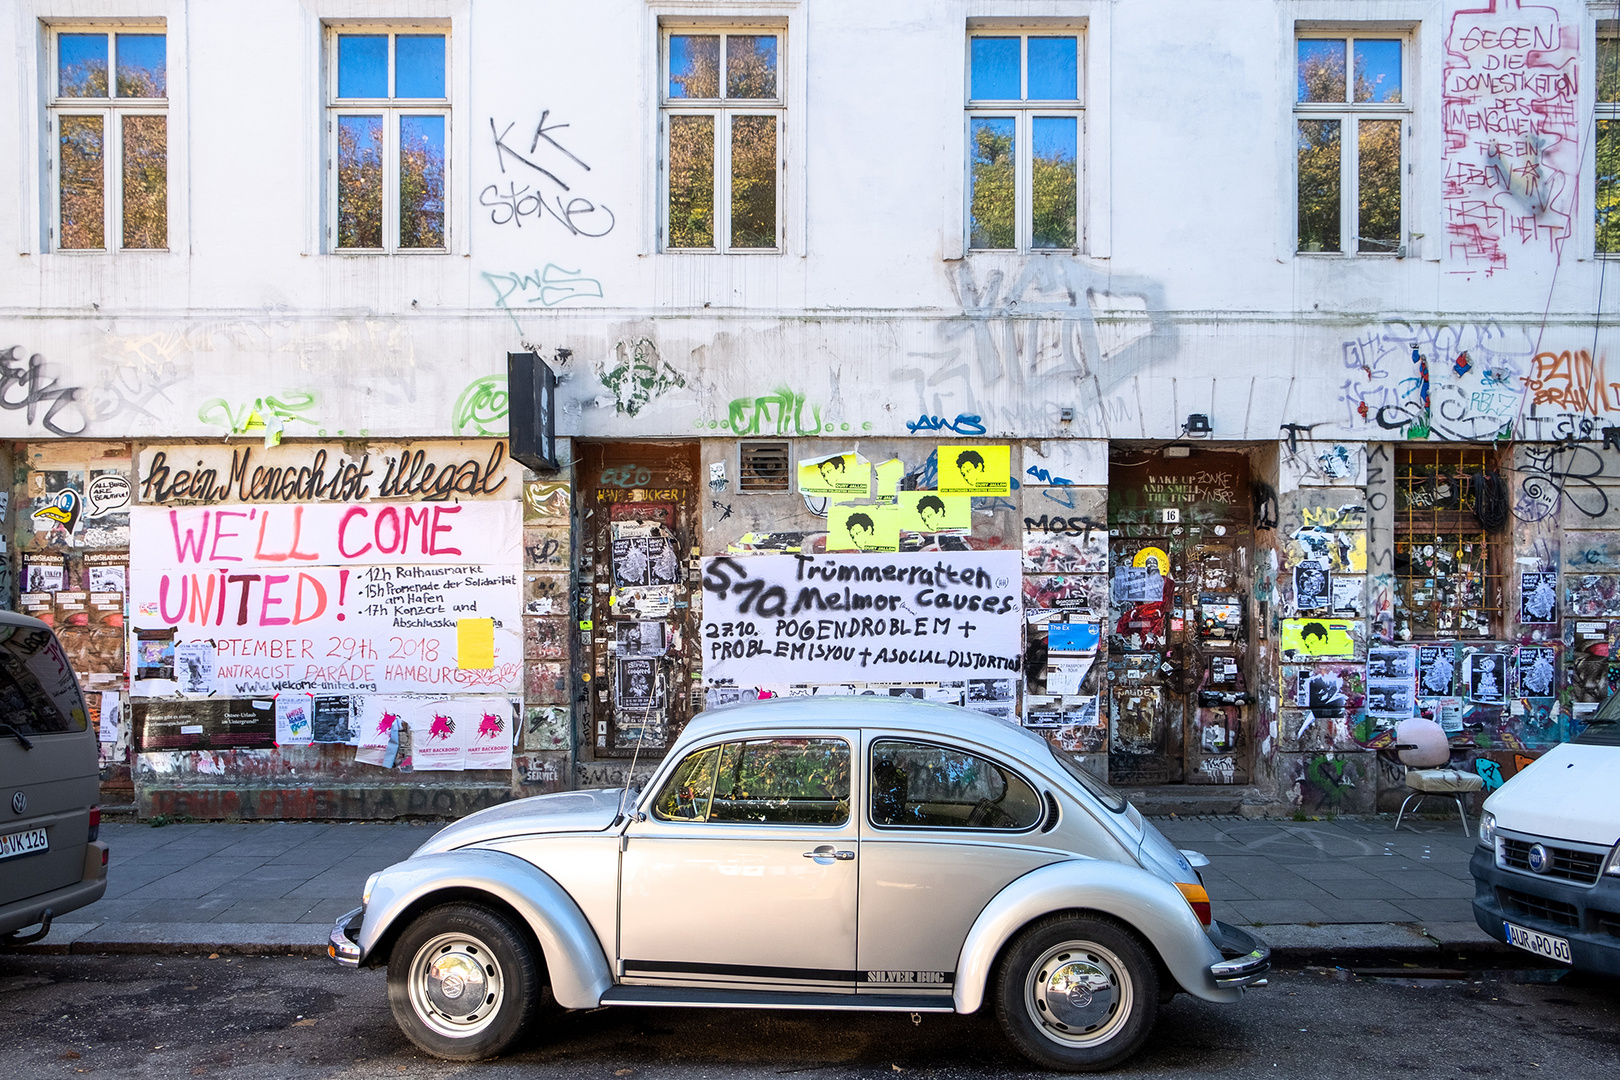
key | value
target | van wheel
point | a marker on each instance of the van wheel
(1077, 994)
(463, 983)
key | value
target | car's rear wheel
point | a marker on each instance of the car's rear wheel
(1076, 993)
(463, 983)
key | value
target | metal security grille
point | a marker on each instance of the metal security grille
(764, 468)
(1447, 565)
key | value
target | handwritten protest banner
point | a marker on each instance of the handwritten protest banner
(773, 619)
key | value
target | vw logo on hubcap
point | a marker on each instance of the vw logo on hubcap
(1538, 859)
(452, 985)
(19, 803)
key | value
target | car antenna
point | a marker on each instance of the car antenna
(630, 777)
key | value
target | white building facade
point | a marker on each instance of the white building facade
(1273, 334)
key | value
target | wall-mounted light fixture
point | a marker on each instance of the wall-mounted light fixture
(1197, 424)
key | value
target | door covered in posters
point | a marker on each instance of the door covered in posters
(638, 539)
(1180, 675)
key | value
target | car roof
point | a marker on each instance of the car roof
(832, 711)
(13, 618)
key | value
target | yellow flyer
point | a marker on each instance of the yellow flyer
(975, 470)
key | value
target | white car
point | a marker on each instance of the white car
(1547, 871)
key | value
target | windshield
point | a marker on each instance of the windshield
(1101, 791)
(1604, 727)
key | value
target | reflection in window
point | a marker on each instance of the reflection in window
(721, 141)
(81, 182)
(686, 793)
(1607, 200)
(783, 781)
(1024, 133)
(391, 150)
(111, 167)
(1349, 114)
(935, 787)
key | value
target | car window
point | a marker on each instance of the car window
(685, 796)
(935, 787)
(1600, 733)
(38, 692)
(782, 782)
(1099, 790)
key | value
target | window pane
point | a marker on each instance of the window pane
(753, 181)
(419, 66)
(1055, 177)
(694, 66)
(1378, 143)
(1608, 83)
(362, 65)
(81, 65)
(1319, 185)
(990, 207)
(783, 781)
(34, 698)
(146, 181)
(691, 181)
(1053, 74)
(83, 182)
(143, 70)
(751, 65)
(1321, 70)
(994, 62)
(1608, 185)
(360, 140)
(935, 787)
(421, 181)
(686, 794)
(1378, 71)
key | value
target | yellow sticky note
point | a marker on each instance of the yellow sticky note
(975, 470)
(475, 644)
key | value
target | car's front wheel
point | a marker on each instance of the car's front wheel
(1077, 993)
(463, 983)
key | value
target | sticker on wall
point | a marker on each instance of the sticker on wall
(293, 727)
(888, 478)
(1538, 597)
(1437, 670)
(975, 470)
(194, 666)
(842, 476)
(863, 528)
(1073, 638)
(43, 575)
(1487, 678)
(1083, 552)
(1536, 670)
(931, 512)
(639, 638)
(1313, 587)
(1331, 639)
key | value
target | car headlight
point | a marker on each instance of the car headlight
(365, 894)
(1614, 862)
(1487, 830)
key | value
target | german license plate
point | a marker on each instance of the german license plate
(1554, 948)
(23, 843)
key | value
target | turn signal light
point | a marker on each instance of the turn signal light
(95, 823)
(1197, 899)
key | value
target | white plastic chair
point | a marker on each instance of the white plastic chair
(1422, 747)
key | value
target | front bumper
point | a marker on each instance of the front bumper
(1587, 916)
(343, 946)
(1247, 958)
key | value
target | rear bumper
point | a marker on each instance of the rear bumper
(343, 945)
(87, 890)
(1247, 958)
(1587, 916)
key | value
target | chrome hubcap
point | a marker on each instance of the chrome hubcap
(1078, 993)
(456, 985)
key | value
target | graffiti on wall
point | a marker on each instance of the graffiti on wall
(554, 196)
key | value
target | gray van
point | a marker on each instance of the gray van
(51, 858)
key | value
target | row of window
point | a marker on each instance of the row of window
(721, 121)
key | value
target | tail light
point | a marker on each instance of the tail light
(1197, 899)
(95, 823)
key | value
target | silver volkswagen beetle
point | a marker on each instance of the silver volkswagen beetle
(810, 853)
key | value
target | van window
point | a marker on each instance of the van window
(38, 692)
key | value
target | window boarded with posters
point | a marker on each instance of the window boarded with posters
(638, 533)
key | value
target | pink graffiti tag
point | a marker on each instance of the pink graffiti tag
(490, 726)
(442, 727)
(386, 724)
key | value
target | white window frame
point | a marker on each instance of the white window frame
(1350, 114)
(391, 108)
(111, 110)
(723, 109)
(1024, 112)
(1605, 30)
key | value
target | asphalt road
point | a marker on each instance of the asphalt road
(285, 1017)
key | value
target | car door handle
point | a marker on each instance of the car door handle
(826, 851)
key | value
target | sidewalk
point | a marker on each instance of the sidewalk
(1311, 889)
